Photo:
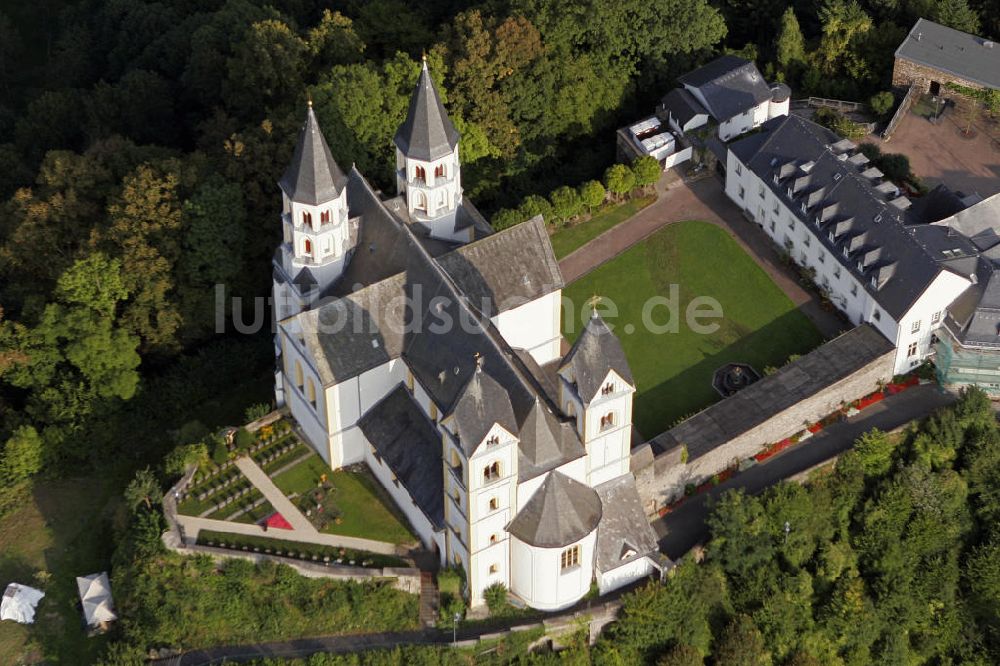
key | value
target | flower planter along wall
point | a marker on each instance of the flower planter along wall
(710, 437)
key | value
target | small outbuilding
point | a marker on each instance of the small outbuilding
(95, 597)
(19, 602)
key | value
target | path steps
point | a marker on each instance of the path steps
(428, 599)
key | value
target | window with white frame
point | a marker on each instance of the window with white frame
(915, 326)
(911, 350)
(742, 191)
(738, 169)
(936, 317)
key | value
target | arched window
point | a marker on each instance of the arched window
(421, 202)
(324, 217)
(311, 392)
(493, 441)
(608, 420)
(308, 246)
(608, 388)
(493, 539)
(439, 171)
(491, 473)
(298, 375)
(419, 173)
(494, 504)
(307, 218)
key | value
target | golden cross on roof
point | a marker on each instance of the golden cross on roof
(593, 302)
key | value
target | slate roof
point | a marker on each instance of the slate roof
(979, 222)
(846, 196)
(507, 269)
(952, 51)
(313, 176)
(730, 86)
(682, 105)
(594, 353)
(410, 446)
(624, 534)
(481, 403)
(792, 383)
(561, 512)
(546, 443)
(427, 134)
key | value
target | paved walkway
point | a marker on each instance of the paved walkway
(277, 498)
(702, 200)
(685, 527)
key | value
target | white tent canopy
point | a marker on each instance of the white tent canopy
(19, 603)
(95, 595)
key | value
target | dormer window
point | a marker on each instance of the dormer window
(608, 388)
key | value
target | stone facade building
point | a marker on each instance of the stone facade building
(933, 55)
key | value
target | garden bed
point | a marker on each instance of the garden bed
(306, 552)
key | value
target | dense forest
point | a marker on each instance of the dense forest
(892, 558)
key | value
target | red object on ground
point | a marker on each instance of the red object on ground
(278, 521)
(815, 428)
(870, 400)
(903, 385)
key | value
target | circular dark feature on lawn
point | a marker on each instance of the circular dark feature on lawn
(733, 377)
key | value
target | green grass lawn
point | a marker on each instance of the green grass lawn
(673, 371)
(365, 509)
(569, 239)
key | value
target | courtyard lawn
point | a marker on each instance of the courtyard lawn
(365, 509)
(673, 371)
(572, 238)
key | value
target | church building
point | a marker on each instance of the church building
(415, 340)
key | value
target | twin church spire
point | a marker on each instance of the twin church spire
(427, 165)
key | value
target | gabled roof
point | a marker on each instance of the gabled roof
(313, 176)
(966, 56)
(850, 200)
(409, 444)
(594, 353)
(561, 512)
(427, 134)
(481, 403)
(682, 106)
(730, 86)
(624, 534)
(506, 269)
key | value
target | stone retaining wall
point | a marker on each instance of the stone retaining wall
(403, 578)
(662, 475)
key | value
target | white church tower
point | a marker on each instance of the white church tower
(596, 388)
(428, 172)
(317, 234)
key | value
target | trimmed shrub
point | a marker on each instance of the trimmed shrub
(647, 171)
(496, 598)
(592, 194)
(535, 205)
(506, 217)
(244, 440)
(566, 203)
(619, 179)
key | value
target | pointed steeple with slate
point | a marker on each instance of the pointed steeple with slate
(313, 176)
(427, 134)
(594, 353)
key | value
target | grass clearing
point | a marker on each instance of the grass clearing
(364, 508)
(673, 371)
(567, 240)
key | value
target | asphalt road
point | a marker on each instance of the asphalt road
(685, 527)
